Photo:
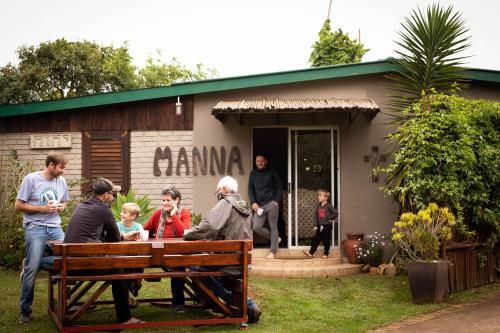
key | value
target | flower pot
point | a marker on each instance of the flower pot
(350, 244)
(428, 281)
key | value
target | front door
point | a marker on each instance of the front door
(313, 165)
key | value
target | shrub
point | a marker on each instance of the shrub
(450, 156)
(12, 234)
(143, 202)
(195, 219)
(371, 249)
(420, 235)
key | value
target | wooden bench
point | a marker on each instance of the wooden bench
(66, 293)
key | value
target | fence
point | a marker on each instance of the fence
(464, 269)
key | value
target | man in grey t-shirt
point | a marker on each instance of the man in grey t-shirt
(41, 197)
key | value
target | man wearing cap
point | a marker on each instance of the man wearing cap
(93, 222)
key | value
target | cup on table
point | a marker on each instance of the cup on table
(144, 235)
(260, 211)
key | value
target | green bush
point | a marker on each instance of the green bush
(143, 202)
(450, 156)
(12, 234)
(195, 219)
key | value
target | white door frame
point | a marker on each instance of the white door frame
(333, 129)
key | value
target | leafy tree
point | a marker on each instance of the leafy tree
(335, 48)
(159, 73)
(60, 69)
(450, 156)
(429, 60)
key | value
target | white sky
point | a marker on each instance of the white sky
(235, 37)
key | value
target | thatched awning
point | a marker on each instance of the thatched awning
(282, 106)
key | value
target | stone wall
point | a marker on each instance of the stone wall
(143, 145)
(20, 142)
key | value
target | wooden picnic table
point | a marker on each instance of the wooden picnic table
(70, 295)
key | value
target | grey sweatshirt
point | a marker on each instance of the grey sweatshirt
(229, 219)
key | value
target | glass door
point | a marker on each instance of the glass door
(312, 166)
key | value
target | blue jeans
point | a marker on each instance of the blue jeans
(36, 238)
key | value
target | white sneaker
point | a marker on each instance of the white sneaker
(270, 256)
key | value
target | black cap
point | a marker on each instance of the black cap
(103, 185)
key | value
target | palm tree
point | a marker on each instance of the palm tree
(430, 57)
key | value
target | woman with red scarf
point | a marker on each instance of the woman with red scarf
(170, 222)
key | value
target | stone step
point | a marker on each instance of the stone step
(294, 261)
(262, 253)
(306, 272)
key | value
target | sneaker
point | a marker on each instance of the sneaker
(24, 319)
(270, 256)
(324, 256)
(253, 314)
(132, 303)
(308, 254)
(21, 275)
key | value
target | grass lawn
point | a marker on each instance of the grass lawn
(350, 304)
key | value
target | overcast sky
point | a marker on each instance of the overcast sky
(233, 36)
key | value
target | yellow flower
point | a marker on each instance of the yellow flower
(396, 236)
(433, 207)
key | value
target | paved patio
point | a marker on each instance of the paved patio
(478, 317)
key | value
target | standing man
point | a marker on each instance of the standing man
(41, 197)
(265, 191)
(93, 222)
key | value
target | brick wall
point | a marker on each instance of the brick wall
(143, 145)
(21, 143)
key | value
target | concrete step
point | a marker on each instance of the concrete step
(298, 253)
(306, 272)
(296, 261)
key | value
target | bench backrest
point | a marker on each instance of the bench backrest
(91, 256)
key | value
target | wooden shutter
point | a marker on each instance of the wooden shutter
(106, 154)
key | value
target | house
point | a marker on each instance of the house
(319, 127)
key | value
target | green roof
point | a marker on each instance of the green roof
(221, 84)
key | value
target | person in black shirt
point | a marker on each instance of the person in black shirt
(265, 191)
(325, 215)
(93, 222)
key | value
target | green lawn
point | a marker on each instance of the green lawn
(350, 304)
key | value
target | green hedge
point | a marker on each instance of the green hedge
(451, 156)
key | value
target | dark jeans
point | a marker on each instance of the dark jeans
(119, 289)
(177, 286)
(324, 235)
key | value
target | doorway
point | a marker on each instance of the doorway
(313, 165)
(273, 143)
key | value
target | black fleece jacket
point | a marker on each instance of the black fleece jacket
(264, 186)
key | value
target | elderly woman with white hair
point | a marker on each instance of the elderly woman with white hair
(229, 219)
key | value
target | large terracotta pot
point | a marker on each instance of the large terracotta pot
(428, 281)
(350, 244)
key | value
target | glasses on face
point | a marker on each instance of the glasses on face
(112, 193)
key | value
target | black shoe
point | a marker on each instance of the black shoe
(253, 314)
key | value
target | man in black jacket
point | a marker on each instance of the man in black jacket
(93, 222)
(265, 191)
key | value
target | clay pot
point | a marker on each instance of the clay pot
(350, 244)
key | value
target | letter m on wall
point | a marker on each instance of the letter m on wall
(107, 154)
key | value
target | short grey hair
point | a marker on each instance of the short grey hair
(228, 182)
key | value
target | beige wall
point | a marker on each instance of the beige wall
(363, 206)
(143, 145)
(21, 143)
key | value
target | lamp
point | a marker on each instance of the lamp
(178, 107)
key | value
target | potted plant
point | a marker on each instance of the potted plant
(371, 250)
(420, 236)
